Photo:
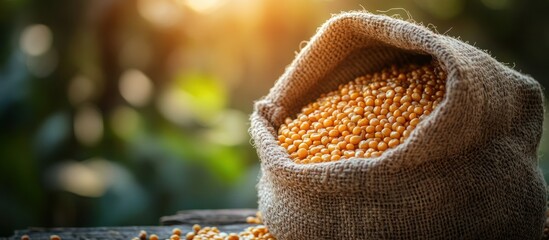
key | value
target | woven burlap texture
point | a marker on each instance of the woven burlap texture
(469, 170)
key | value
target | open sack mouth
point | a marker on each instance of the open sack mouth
(365, 117)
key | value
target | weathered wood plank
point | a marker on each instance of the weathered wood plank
(226, 220)
(211, 217)
(114, 233)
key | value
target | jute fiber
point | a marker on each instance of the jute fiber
(468, 171)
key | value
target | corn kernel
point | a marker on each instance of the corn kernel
(143, 235)
(174, 237)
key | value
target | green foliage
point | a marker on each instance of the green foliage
(206, 97)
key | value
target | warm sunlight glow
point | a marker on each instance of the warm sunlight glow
(203, 6)
(159, 12)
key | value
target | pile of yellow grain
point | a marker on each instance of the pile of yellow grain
(364, 117)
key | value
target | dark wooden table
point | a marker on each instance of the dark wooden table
(226, 220)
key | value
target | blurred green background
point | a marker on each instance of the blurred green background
(119, 112)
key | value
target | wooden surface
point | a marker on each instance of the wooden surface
(209, 217)
(226, 220)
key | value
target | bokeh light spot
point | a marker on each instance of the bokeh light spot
(36, 39)
(80, 90)
(78, 178)
(174, 105)
(125, 122)
(206, 94)
(42, 65)
(135, 87)
(230, 128)
(88, 125)
(193, 96)
(162, 13)
(203, 6)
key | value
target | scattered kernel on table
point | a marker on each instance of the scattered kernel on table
(196, 228)
(55, 237)
(258, 232)
(255, 220)
(174, 237)
(364, 117)
(176, 231)
(143, 235)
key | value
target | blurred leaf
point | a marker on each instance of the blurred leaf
(13, 82)
(51, 134)
(228, 128)
(226, 162)
(207, 95)
(16, 212)
(8, 8)
(126, 123)
(124, 200)
(19, 178)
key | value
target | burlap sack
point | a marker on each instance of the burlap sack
(468, 171)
